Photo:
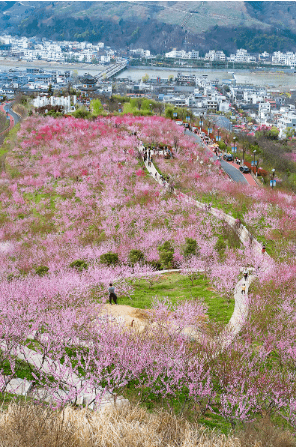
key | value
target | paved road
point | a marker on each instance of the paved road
(233, 172)
(8, 109)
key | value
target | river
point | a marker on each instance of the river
(282, 79)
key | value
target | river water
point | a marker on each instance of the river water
(282, 79)
(279, 79)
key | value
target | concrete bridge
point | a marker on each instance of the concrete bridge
(111, 71)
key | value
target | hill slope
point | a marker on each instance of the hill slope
(158, 26)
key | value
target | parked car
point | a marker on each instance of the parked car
(244, 169)
(228, 157)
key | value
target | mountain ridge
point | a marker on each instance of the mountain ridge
(157, 26)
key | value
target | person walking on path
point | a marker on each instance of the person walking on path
(243, 289)
(245, 273)
(263, 248)
(112, 294)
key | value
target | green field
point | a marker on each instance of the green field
(178, 288)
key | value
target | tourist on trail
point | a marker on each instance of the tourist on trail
(245, 273)
(263, 248)
(243, 289)
(112, 294)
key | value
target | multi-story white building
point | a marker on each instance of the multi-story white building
(141, 52)
(194, 54)
(286, 120)
(186, 78)
(241, 56)
(176, 54)
(213, 55)
(279, 58)
(264, 111)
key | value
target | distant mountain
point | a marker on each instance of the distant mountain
(158, 26)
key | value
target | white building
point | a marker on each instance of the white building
(191, 78)
(242, 56)
(176, 54)
(264, 111)
(194, 54)
(141, 52)
(213, 55)
(279, 58)
(64, 101)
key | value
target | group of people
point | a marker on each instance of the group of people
(148, 156)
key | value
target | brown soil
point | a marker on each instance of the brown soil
(131, 316)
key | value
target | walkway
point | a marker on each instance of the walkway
(241, 301)
(73, 386)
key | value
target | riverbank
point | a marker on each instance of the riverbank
(45, 65)
(283, 79)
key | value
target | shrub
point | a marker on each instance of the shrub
(41, 270)
(191, 248)
(220, 246)
(96, 107)
(166, 255)
(82, 113)
(155, 264)
(109, 258)
(222, 145)
(79, 264)
(135, 256)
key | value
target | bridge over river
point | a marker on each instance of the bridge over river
(111, 71)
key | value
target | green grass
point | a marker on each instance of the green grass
(179, 405)
(179, 288)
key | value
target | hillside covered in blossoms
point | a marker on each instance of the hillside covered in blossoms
(77, 202)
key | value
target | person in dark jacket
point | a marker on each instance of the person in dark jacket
(112, 294)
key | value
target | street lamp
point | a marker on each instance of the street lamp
(273, 172)
(244, 149)
(254, 152)
(200, 122)
(234, 138)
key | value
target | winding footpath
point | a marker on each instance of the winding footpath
(241, 300)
